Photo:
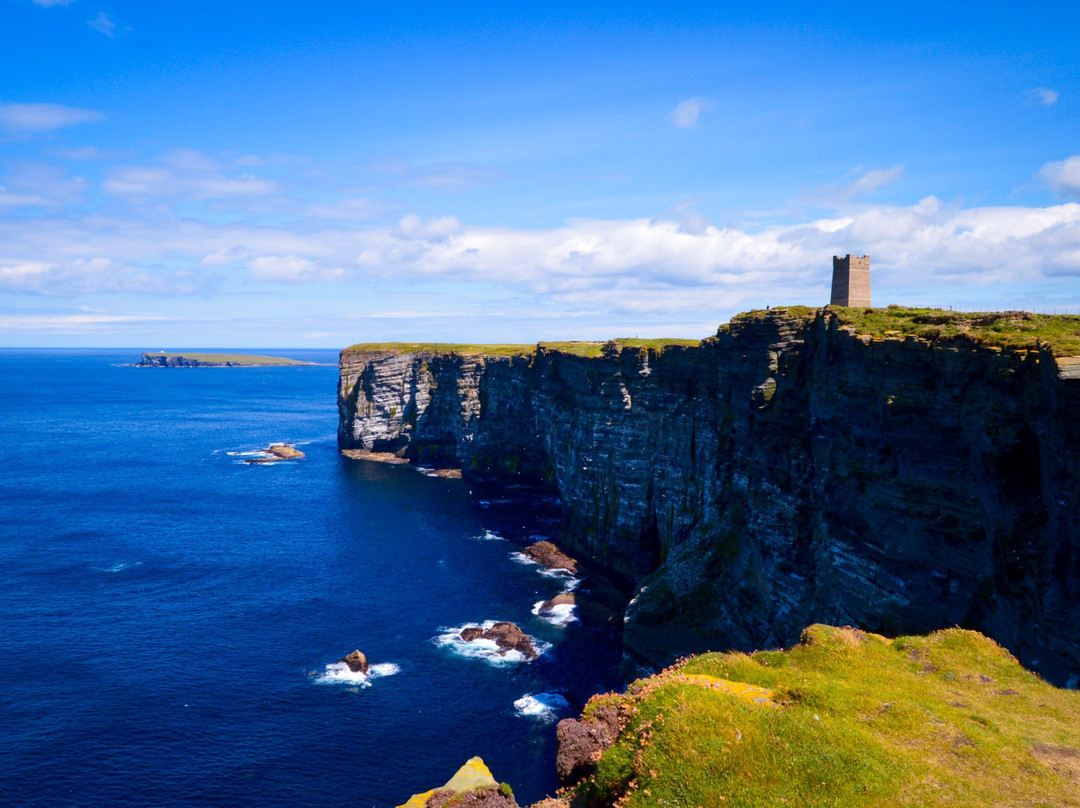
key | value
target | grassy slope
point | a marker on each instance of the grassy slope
(577, 348)
(949, 719)
(245, 359)
(1007, 329)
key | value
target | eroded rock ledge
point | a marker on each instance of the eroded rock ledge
(788, 470)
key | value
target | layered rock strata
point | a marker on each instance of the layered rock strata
(786, 471)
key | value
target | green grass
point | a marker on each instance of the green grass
(577, 348)
(1004, 329)
(243, 359)
(1001, 329)
(950, 719)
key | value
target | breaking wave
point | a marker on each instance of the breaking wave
(486, 650)
(541, 706)
(338, 673)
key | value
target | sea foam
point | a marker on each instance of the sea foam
(559, 615)
(541, 706)
(486, 650)
(339, 673)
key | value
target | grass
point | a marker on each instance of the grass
(243, 359)
(577, 348)
(950, 719)
(1000, 329)
(1003, 329)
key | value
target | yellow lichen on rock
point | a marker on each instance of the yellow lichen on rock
(747, 692)
(474, 774)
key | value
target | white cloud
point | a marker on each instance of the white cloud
(412, 227)
(40, 185)
(50, 3)
(639, 267)
(187, 174)
(1063, 176)
(856, 183)
(33, 118)
(92, 276)
(1044, 96)
(291, 269)
(70, 323)
(686, 114)
(352, 208)
(103, 24)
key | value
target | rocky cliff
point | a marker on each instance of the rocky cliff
(788, 470)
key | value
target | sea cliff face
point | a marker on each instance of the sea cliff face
(786, 471)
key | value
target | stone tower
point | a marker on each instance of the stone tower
(850, 280)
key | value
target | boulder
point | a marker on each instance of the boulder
(562, 599)
(356, 661)
(581, 743)
(507, 636)
(547, 554)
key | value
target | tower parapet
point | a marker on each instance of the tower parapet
(850, 280)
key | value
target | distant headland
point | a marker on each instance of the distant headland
(213, 360)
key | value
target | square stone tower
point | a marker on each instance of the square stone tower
(851, 280)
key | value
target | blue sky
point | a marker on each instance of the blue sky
(254, 175)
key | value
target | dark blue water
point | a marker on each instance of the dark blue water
(167, 611)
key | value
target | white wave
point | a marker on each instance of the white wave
(252, 453)
(559, 615)
(339, 673)
(486, 650)
(123, 565)
(557, 572)
(542, 706)
(521, 558)
(489, 535)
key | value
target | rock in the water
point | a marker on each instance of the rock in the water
(356, 661)
(278, 451)
(550, 556)
(563, 599)
(507, 636)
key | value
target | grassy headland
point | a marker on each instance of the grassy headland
(850, 719)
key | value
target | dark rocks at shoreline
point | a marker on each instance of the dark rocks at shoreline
(356, 661)
(507, 636)
(547, 554)
(581, 743)
(480, 798)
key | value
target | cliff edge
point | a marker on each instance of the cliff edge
(900, 471)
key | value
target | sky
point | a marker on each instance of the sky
(242, 174)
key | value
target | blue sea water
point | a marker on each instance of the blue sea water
(168, 612)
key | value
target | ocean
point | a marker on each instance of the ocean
(170, 614)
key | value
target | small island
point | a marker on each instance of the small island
(213, 360)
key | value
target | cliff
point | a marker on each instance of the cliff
(788, 470)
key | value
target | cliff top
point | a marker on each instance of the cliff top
(577, 348)
(847, 718)
(1002, 329)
